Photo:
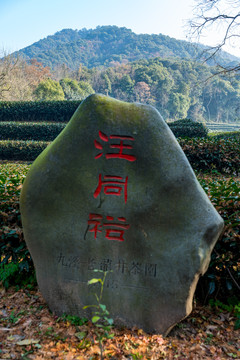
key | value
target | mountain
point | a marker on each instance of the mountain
(110, 45)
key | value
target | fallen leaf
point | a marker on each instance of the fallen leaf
(15, 337)
(6, 356)
(27, 323)
(27, 342)
(81, 335)
(6, 329)
(46, 319)
(211, 327)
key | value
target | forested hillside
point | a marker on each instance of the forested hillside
(164, 73)
(177, 88)
(108, 46)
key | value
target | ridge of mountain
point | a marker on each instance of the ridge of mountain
(110, 45)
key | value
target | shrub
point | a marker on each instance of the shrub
(35, 111)
(188, 128)
(30, 131)
(222, 155)
(226, 135)
(16, 266)
(222, 280)
(49, 90)
(21, 150)
(212, 153)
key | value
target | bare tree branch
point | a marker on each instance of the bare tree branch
(210, 14)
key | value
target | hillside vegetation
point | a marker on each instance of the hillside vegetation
(108, 45)
(152, 69)
(177, 88)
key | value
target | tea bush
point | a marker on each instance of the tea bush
(35, 111)
(16, 266)
(213, 153)
(21, 150)
(222, 155)
(222, 279)
(188, 128)
(30, 131)
(225, 135)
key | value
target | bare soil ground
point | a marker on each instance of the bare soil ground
(28, 330)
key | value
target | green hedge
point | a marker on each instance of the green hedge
(210, 154)
(30, 131)
(21, 150)
(59, 111)
(203, 154)
(188, 128)
(224, 135)
(222, 279)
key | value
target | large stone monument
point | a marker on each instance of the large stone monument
(114, 191)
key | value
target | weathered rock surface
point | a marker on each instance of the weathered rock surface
(114, 191)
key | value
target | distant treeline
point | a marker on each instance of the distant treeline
(177, 88)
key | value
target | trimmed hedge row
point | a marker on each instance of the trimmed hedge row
(43, 131)
(35, 111)
(188, 128)
(228, 135)
(30, 131)
(21, 150)
(203, 154)
(210, 154)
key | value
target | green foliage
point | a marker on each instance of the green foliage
(100, 316)
(222, 279)
(204, 154)
(207, 154)
(74, 320)
(30, 131)
(107, 45)
(16, 266)
(121, 64)
(7, 273)
(237, 314)
(49, 90)
(233, 306)
(188, 128)
(226, 135)
(21, 150)
(37, 111)
(179, 104)
(74, 90)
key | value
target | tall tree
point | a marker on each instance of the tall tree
(49, 90)
(7, 65)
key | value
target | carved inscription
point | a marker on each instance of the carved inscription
(113, 230)
(113, 185)
(119, 266)
(120, 145)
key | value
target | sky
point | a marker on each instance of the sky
(23, 22)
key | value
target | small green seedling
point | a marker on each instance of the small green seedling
(101, 318)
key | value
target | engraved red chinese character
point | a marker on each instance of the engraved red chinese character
(113, 185)
(113, 230)
(95, 220)
(121, 146)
